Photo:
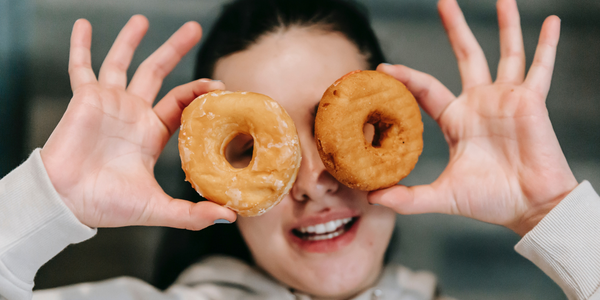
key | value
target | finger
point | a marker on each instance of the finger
(540, 74)
(411, 200)
(431, 94)
(511, 68)
(471, 60)
(169, 109)
(114, 68)
(148, 78)
(80, 58)
(184, 214)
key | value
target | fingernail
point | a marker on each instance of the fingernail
(204, 80)
(387, 64)
(217, 80)
(221, 221)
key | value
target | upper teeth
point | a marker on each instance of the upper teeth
(330, 226)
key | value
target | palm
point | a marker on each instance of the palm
(506, 166)
(131, 137)
(498, 148)
(102, 154)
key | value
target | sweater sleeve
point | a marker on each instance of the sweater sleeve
(35, 225)
(566, 244)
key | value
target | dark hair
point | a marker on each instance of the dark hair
(240, 25)
(243, 22)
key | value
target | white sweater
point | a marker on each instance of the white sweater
(35, 225)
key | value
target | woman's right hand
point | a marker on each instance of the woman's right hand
(101, 156)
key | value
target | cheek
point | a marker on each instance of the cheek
(263, 233)
(378, 225)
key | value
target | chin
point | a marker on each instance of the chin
(337, 278)
(332, 253)
(336, 264)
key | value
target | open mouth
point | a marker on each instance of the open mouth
(324, 231)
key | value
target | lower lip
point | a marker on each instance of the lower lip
(326, 246)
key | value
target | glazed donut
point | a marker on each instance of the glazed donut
(354, 100)
(209, 124)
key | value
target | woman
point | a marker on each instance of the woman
(100, 158)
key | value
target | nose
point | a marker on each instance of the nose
(313, 181)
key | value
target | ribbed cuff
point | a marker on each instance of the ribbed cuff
(35, 225)
(566, 243)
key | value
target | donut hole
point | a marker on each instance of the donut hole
(375, 129)
(239, 151)
(369, 132)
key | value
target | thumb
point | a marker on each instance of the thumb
(178, 213)
(405, 200)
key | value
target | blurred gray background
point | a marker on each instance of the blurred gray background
(473, 260)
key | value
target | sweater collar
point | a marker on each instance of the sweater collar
(396, 282)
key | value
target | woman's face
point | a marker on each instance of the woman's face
(324, 238)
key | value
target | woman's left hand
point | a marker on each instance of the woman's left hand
(506, 166)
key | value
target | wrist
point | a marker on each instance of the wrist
(535, 214)
(57, 182)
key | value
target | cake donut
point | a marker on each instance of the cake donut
(211, 122)
(354, 100)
